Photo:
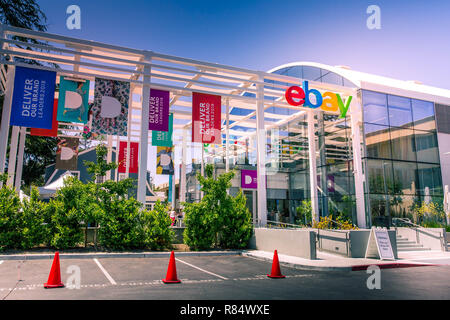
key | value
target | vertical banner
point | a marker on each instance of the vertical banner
(164, 161)
(53, 132)
(134, 156)
(73, 100)
(163, 138)
(67, 154)
(249, 179)
(33, 98)
(110, 108)
(158, 119)
(206, 118)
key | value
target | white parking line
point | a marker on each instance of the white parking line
(216, 275)
(1, 261)
(105, 272)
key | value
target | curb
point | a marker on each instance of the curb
(392, 266)
(298, 266)
(116, 255)
(336, 268)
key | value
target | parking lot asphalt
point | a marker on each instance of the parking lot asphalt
(212, 277)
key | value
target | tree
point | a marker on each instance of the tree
(23, 14)
(39, 151)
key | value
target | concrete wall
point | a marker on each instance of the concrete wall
(297, 243)
(355, 246)
(360, 238)
(333, 241)
(428, 237)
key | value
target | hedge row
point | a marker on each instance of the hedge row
(124, 224)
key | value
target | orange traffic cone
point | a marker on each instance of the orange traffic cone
(54, 278)
(171, 276)
(276, 272)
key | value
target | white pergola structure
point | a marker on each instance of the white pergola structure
(238, 87)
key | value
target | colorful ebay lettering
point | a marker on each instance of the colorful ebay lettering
(327, 101)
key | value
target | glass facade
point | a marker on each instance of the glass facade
(401, 159)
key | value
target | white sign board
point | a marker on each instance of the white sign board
(379, 245)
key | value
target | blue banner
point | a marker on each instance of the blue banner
(33, 97)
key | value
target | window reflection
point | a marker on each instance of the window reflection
(403, 144)
(399, 111)
(404, 130)
(426, 146)
(375, 108)
(423, 115)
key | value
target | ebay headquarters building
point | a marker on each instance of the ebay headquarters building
(357, 145)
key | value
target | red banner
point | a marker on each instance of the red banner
(134, 146)
(53, 132)
(206, 118)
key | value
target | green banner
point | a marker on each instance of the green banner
(162, 138)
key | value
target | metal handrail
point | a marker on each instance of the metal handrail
(347, 239)
(407, 221)
(419, 228)
(258, 223)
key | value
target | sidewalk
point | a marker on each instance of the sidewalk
(102, 255)
(333, 262)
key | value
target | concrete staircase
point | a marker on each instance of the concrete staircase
(404, 244)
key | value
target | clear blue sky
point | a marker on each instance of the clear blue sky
(413, 43)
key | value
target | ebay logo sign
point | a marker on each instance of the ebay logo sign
(327, 101)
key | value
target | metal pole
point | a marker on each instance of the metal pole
(128, 154)
(116, 159)
(261, 153)
(12, 155)
(6, 114)
(313, 166)
(183, 168)
(23, 135)
(173, 189)
(202, 167)
(227, 143)
(109, 156)
(142, 177)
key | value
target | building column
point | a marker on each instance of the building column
(261, 153)
(109, 155)
(182, 186)
(227, 137)
(23, 135)
(356, 120)
(313, 166)
(6, 114)
(143, 142)
(12, 155)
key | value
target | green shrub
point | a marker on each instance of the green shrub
(65, 225)
(218, 219)
(199, 233)
(10, 218)
(237, 226)
(304, 213)
(36, 222)
(155, 225)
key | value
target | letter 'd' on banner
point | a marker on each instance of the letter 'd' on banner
(206, 118)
